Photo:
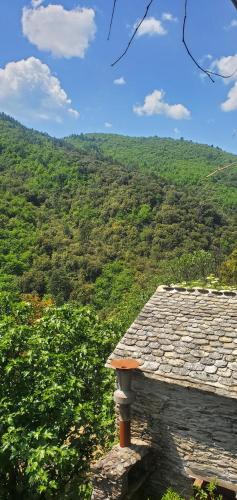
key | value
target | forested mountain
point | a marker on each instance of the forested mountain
(178, 161)
(103, 219)
(99, 220)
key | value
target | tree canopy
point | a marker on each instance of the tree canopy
(55, 397)
(90, 225)
(102, 219)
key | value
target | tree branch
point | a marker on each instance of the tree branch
(111, 20)
(134, 33)
(207, 72)
(186, 46)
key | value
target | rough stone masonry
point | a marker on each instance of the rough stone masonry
(186, 406)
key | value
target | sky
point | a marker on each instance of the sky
(56, 74)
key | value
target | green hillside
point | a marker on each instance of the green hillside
(103, 219)
(94, 221)
(178, 161)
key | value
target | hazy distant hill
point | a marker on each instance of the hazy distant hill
(104, 218)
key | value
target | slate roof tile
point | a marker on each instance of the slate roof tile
(188, 337)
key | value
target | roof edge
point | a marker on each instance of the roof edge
(190, 384)
(199, 290)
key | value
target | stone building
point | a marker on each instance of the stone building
(185, 410)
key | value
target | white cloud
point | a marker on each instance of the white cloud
(120, 81)
(234, 133)
(30, 92)
(233, 24)
(231, 103)
(228, 66)
(64, 33)
(36, 3)
(108, 124)
(154, 104)
(176, 131)
(151, 26)
(167, 16)
(207, 57)
(73, 112)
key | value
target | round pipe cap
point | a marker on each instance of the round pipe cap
(124, 363)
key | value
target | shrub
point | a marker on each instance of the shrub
(56, 406)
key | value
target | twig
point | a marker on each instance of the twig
(111, 20)
(134, 33)
(222, 168)
(207, 72)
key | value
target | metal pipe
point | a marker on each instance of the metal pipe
(124, 397)
(124, 433)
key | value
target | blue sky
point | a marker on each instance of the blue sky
(56, 73)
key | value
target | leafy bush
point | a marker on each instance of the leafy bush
(56, 407)
(171, 495)
(208, 492)
(229, 269)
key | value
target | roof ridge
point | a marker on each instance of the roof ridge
(205, 291)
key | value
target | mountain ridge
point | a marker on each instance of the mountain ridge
(104, 221)
(168, 157)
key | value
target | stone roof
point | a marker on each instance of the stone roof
(188, 337)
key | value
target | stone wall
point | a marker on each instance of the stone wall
(191, 431)
(121, 473)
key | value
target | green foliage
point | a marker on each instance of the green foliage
(229, 269)
(170, 494)
(208, 492)
(98, 220)
(188, 267)
(179, 162)
(59, 286)
(55, 396)
(104, 219)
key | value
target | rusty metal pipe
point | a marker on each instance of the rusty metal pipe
(124, 397)
(124, 433)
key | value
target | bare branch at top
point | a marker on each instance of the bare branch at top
(207, 72)
(134, 33)
(112, 18)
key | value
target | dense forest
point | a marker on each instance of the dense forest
(90, 225)
(103, 219)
